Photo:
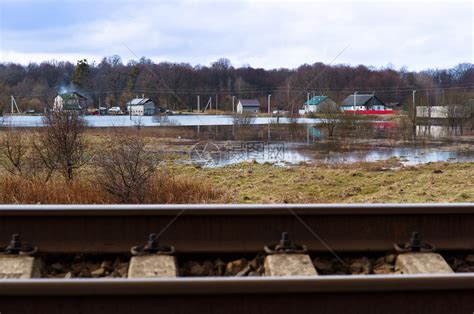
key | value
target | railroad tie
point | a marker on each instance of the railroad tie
(421, 263)
(288, 259)
(19, 267)
(289, 265)
(152, 266)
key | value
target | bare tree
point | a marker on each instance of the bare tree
(21, 157)
(61, 143)
(125, 169)
(329, 114)
(14, 150)
(457, 111)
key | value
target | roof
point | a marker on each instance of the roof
(316, 100)
(361, 100)
(72, 95)
(249, 102)
(138, 101)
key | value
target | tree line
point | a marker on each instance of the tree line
(176, 86)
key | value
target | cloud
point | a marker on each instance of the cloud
(262, 33)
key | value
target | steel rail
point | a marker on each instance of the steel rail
(236, 285)
(325, 294)
(236, 228)
(241, 209)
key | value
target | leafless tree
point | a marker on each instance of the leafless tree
(125, 169)
(61, 143)
(21, 158)
(244, 119)
(457, 111)
(14, 150)
(329, 115)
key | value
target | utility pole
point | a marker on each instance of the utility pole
(355, 95)
(233, 102)
(269, 97)
(414, 112)
(14, 105)
(199, 104)
(217, 102)
(288, 95)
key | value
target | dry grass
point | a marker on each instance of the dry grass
(178, 190)
(380, 182)
(182, 190)
(15, 190)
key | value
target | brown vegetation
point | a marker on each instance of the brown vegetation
(163, 190)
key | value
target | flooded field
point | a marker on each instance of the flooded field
(281, 153)
(127, 121)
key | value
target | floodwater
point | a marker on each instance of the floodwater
(281, 153)
(273, 152)
(127, 121)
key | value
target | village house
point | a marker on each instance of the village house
(394, 105)
(365, 103)
(312, 105)
(248, 105)
(141, 107)
(70, 102)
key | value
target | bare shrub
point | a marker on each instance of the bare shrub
(21, 157)
(244, 119)
(125, 169)
(61, 143)
(243, 125)
(14, 150)
(404, 128)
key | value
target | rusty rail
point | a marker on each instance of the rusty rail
(236, 228)
(329, 294)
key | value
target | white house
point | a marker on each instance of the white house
(248, 105)
(70, 102)
(363, 102)
(313, 104)
(141, 107)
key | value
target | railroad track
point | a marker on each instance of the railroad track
(242, 229)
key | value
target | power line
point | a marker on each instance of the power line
(263, 91)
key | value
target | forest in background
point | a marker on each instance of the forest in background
(176, 85)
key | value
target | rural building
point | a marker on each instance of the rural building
(365, 104)
(70, 101)
(313, 104)
(141, 107)
(248, 105)
(394, 105)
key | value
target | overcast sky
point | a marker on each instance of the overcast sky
(260, 33)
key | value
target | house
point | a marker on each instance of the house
(394, 105)
(313, 104)
(141, 107)
(70, 101)
(248, 105)
(365, 104)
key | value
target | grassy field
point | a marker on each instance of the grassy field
(379, 182)
(376, 182)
